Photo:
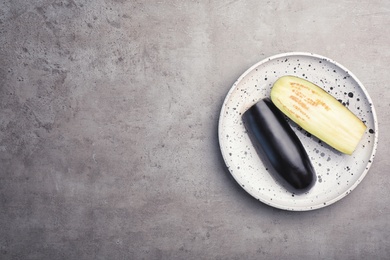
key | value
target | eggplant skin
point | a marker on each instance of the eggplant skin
(272, 135)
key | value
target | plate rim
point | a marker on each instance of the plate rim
(367, 96)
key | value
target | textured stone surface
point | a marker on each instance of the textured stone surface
(108, 129)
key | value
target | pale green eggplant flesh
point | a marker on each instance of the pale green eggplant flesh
(318, 112)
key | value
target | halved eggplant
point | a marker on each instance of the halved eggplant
(319, 113)
(272, 135)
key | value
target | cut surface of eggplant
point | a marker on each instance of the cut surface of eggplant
(318, 112)
(273, 137)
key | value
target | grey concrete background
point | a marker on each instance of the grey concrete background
(108, 129)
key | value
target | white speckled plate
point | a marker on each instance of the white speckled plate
(337, 174)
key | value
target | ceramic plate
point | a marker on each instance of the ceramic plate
(337, 174)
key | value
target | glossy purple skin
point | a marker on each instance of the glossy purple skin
(273, 137)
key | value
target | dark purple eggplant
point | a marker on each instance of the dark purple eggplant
(273, 137)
